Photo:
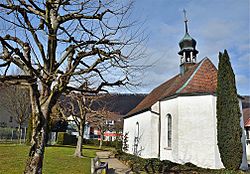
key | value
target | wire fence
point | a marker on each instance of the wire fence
(12, 135)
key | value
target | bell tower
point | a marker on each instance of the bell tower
(187, 51)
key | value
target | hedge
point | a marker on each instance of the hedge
(154, 165)
(151, 165)
(116, 144)
(64, 138)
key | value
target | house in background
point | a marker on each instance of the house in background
(111, 124)
(116, 105)
(10, 101)
(246, 116)
(6, 118)
(177, 120)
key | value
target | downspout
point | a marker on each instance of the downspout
(159, 131)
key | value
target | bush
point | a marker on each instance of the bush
(94, 142)
(151, 165)
(64, 138)
(116, 144)
(154, 165)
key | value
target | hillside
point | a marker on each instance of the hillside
(246, 102)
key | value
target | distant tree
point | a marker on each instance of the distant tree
(58, 122)
(77, 106)
(16, 101)
(3, 124)
(100, 120)
(229, 131)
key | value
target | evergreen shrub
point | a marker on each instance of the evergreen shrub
(116, 143)
(151, 165)
(64, 138)
(229, 131)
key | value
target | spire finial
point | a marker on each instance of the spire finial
(185, 20)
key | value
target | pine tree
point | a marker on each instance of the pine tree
(228, 115)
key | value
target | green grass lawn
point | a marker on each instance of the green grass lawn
(57, 160)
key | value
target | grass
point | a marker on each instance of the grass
(57, 159)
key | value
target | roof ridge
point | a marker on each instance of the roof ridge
(191, 77)
(191, 82)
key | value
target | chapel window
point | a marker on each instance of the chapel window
(169, 130)
(136, 140)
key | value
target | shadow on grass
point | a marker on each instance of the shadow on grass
(95, 148)
(12, 144)
(111, 171)
(84, 147)
(58, 145)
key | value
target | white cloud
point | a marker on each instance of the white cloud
(216, 25)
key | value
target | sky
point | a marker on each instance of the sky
(215, 25)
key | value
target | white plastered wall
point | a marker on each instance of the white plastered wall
(194, 131)
(148, 134)
(169, 107)
(155, 107)
(244, 164)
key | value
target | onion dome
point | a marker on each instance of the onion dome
(187, 44)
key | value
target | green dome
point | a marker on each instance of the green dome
(187, 43)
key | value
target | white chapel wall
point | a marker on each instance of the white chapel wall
(155, 107)
(198, 131)
(169, 107)
(246, 147)
(194, 131)
(148, 134)
(154, 135)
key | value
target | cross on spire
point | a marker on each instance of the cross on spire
(185, 20)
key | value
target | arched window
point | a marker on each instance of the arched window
(137, 129)
(136, 140)
(169, 130)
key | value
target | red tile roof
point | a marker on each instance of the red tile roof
(201, 78)
(246, 117)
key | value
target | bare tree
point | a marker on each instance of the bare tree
(16, 101)
(100, 120)
(60, 44)
(77, 106)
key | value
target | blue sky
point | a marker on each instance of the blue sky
(215, 25)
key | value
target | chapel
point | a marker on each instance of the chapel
(176, 121)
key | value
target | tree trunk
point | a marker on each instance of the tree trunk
(35, 160)
(100, 145)
(78, 151)
(19, 134)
